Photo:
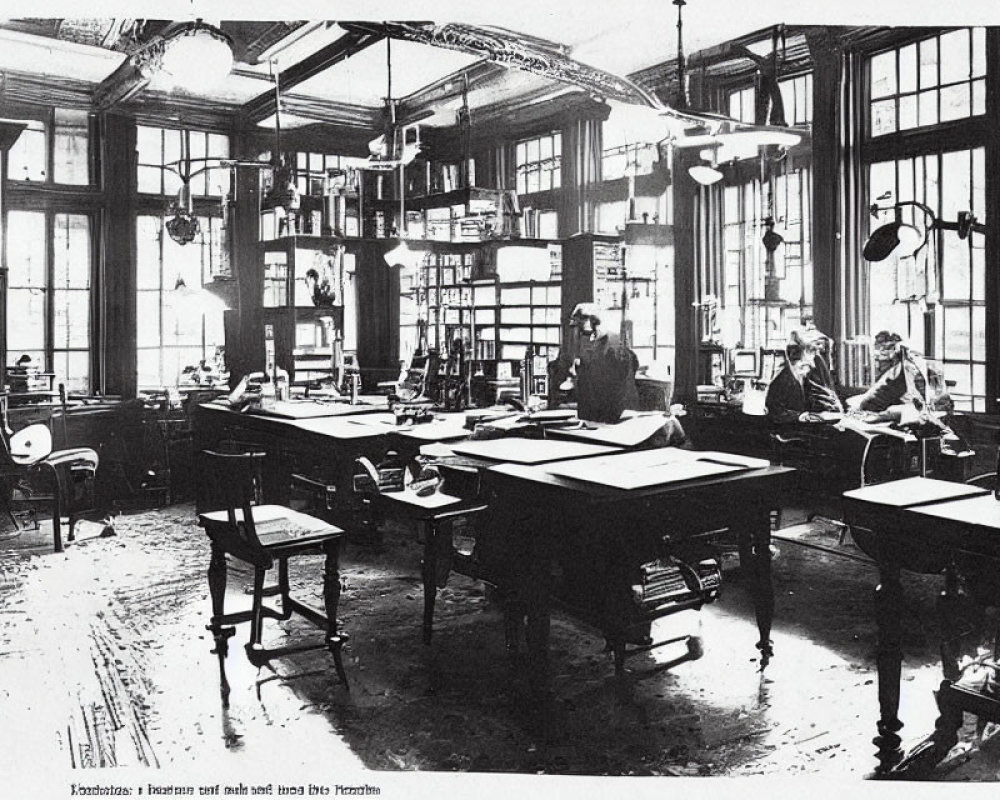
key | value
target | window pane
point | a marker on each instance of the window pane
(955, 272)
(955, 56)
(26, 248)
(72, 369)
(149, 148)
(956, 191)
(883, 117)
(978, 52)
(148, 252)
(927, 108)
(71, 308)
(25, 321)
(71, 251)
(908, 69)
(148, 317)
(883, 74)
(928, 63)
(72, 147)
(27, 159)
(957, 343)
(979, 333)
(978, 97)
(171, 157)
(955, 102)
(196, 149)
(148, 373)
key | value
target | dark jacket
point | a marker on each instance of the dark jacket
(787, 398)
(605, 383)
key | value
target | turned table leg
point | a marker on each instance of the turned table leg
(758, 554)
(889, 659)
(428, 574)
(331, 601)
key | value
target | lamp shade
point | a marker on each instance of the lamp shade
(882, 242)
(894, 236)
(705, 175)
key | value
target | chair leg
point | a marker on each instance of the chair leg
(331, 599)
(220, 634)
(57, 519)
(257, 612)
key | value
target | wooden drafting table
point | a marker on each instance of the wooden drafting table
(932, 527)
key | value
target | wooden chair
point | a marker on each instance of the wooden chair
(64, 478)
(263, 536)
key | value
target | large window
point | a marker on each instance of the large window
(538, 163)
(50, 256)
(934, 292)
(160, 153)
(741, 104)
(178, 325)
(763, 295)
(935, 80)
(28, 159)
(796, 97)
(936, 298)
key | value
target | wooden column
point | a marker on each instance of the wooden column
(826, 160)
(116, 319)
(992, 222)
(581, 152)
(244, 323)
(685, 279)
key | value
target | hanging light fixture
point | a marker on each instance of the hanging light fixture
(192, 55)
(704, 174)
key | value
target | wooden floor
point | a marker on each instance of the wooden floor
(105, 663)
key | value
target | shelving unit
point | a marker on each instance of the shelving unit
(625, 271)
(309, 339)
(507, 330)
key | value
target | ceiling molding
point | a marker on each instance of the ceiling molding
(346, 46)
(41, 90)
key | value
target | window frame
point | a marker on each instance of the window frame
(965, 133)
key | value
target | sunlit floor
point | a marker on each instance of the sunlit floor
(105, 662)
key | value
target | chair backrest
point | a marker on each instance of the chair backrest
(233, 481)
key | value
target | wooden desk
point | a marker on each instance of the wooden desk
(320, 446)
(548, 536)
(931, 527)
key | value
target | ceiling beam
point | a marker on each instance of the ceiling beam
(346, 46)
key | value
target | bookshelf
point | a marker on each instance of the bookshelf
(498, 303)
(309, 303)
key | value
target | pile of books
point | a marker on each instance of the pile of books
(669, 581)
(28, 378)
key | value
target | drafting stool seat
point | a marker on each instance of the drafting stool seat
(264, 536)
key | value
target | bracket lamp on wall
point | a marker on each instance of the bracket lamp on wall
(907, 240)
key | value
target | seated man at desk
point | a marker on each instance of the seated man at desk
(905, 383)
(908, 390)
(803, 386)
